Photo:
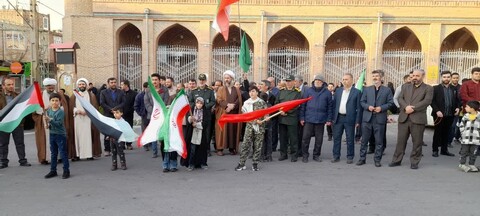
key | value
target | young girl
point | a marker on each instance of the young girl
(469, 127)
(196, 120)
(254, 131)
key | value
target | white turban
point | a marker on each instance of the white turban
(229, 73)
(82, 80)
(49, 81)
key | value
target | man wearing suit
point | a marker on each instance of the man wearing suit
(414, 100)
(346, 116)
(375, 101)
(268, 97)
(314, 115)
(445, 105)
(110, 98)
(303, 88)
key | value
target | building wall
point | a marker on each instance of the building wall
(95, 25)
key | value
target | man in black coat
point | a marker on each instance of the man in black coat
(128, 108)
(109, 98)
(445, 105)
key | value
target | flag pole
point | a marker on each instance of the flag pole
(239, 26)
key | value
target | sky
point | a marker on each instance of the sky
(56, 5)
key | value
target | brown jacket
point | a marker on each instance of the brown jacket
(420, 99)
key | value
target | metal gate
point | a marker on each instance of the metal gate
(460, 61)
(286, 61)
(130, 65)
(227, 58)
(398, 63)
(341, 61)
(177, 61)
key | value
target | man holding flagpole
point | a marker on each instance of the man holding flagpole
(6, 96)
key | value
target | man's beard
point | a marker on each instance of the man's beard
(446, 82)
(228, 84)
(82, 89)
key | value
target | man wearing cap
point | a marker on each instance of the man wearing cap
(42, 137)
(314, 115)
(229, 101)
(288, 121)
(346, 116)
(6, 96)
(87, 137)
(208, 96)
(376, 100)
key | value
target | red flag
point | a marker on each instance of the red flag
(222, 20)
(246, 117)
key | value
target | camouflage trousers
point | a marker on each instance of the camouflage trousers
(251, 138)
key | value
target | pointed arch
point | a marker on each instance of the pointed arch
(460, 39)
(288, 37)
(129, 34)
(402, 38)
(345, 37)
(177, 34)
(233, 38)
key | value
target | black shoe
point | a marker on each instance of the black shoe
(294, 159)
(269, 158)
(26, 164)
(240, 167)
(317, 159)
(173, 170)
(378, 164)
(165, 170)
(3, 166)
(90, 158)
(282, 158)
(329, 138)
(59, 160)
(44, 162)
(154, 156)
(424, 144)
(255, 167)
(305, 160)
(66, 175)
(371, 151)
(394, 164)
(349, 161)
(51, 174)
(360, 162)
(435, 154)
(414, 166)
(447, 154)
(335, 160)
(75, 159)
(450, 145)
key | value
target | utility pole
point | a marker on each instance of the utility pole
(35, 75)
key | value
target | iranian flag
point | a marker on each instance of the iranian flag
(153, 131)
(27, 102)
(177, 111)
(221, 23)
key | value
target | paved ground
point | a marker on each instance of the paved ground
(279, 188)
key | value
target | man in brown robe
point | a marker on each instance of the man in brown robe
(41, 133)
(90, 130)
(229, 101)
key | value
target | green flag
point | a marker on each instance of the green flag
(27, 70)
(361, 80)
(244, 59)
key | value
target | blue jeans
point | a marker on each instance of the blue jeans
(169, 160)
(58, 142)
(154, 147)
(454, 131)
(338, 128)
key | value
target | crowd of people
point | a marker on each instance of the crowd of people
(63, 127)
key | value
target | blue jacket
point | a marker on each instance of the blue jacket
(140, 105)
(353, 105)
(384, 100)
(320, 108)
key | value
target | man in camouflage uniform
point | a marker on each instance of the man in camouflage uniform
(206, 92)
(288, 121)
(254, 130)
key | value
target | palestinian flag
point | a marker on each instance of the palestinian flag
(221, 23)
(27, 102)
(118, 129)
(174, 140)
(246, 117)
(153, 132)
